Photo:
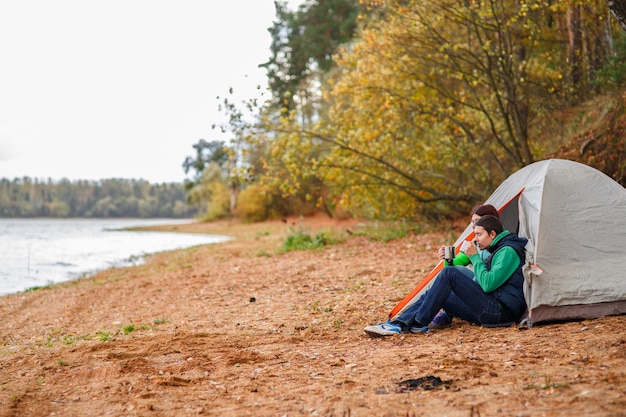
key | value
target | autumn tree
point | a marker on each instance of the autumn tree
(208, 189)
(429, 107)
(269, 186)
(589, 43)
(303, 42)
(434, 106)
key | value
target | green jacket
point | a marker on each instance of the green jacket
(504, 264)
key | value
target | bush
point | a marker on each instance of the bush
(253, 205)
(219, 205)
(300, 240)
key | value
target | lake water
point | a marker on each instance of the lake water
(39, 252)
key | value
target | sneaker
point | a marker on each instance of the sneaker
(419, 329)
(441, 320)
(383, 329)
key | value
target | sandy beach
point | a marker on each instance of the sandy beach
(241, 329)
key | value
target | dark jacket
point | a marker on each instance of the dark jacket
(511, 293)
(500, 273)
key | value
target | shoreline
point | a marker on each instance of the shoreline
(41, 252)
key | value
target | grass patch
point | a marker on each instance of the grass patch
(128, 329)
(104, 336)
(299, 239)
(37, 287)
(70, 339)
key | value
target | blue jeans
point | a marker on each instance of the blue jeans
(455, 291)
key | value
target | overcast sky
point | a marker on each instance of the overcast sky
(121, 88)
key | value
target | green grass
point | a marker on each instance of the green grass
(299, 239)
(103, 336)
(37, 287)
(70, 339)
(128, 329)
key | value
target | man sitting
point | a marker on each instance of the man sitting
(495, 295)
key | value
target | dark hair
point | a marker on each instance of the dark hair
(490, 223)
(485, 210)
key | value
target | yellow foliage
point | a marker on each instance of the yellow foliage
(431, 105)
(218, 206)
(429, 108)
(253, 204)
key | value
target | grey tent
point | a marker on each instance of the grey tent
(574, 217)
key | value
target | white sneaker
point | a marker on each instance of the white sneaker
(383, 329)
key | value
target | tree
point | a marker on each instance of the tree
(209, 193)
(28, 197)
(211, 165)
(434, 106)
(206, 152)
(589, 44)
(303, 43)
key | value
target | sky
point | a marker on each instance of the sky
(91, 90)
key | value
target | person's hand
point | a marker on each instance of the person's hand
(471, 250)
(441, 253)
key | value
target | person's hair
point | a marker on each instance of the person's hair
(485, 210)
(490, 223)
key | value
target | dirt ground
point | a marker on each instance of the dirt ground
(239, 329)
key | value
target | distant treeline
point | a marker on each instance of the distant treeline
(26, 197)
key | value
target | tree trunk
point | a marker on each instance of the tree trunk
(574, 49)
(234, 191)
(597, 41)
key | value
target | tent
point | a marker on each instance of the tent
(574, 217)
